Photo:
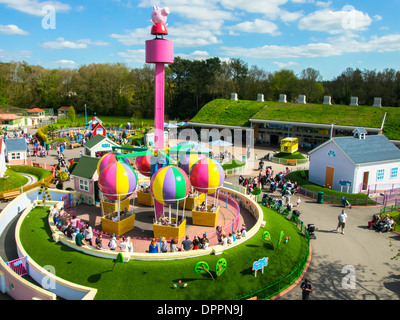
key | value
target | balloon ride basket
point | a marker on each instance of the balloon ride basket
(118, 227)
(205, 218)
(168, 231)
(145, 198)
(110, 210)
(192, 202)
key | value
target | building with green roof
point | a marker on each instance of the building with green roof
(312, 124)
(98, 145)
(85, 178)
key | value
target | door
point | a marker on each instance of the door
(365, 181)
(274, 139)
(329, 177)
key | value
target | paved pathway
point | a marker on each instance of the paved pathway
(361, 252)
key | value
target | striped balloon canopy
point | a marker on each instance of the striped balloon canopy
(169, 185)
(143, 165)
(188, 160)
(109, 158)
(207, 175)
(117, 181)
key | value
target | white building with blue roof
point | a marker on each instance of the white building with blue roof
(355, 164)
(16, 151)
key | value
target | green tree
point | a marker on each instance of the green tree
(283, 82)
(71, 114)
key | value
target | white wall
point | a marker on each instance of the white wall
(319, 160)
(386, 183)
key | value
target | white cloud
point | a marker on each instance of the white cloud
(282, 65)
(12, 29)
(66, 63)
(192, 10)
(133, 56)
(335, 47)
(206, 34)
(61, 43)
(335, 22)
(195, 55)
(34, 7)
(256, 26)
(134, 37)
(6, 55)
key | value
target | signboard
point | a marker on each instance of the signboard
(259, 265)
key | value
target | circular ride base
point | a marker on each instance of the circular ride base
(142, 232)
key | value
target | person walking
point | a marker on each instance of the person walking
(306, 288)
(342, 219)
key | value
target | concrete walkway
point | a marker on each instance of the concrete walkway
(363, 253)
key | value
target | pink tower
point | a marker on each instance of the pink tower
(160, 52)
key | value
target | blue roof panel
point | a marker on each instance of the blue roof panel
(15, 145)
(371, 149)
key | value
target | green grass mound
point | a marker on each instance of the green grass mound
(290, 156)
(153, 280)
(301, 176)
(233, 164)
(40, 173)
(12, 180)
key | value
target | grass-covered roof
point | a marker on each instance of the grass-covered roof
(239, 113)
(229, 112)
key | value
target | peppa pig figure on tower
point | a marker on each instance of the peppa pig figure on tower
(159, 18)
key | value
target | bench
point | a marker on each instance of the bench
(11, 195)
(75, 145)
(292, 162)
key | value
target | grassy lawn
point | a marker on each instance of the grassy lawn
(301, 177)
(153, 280)
(361, 116)
(233, 164)
(113, 121)
(295, 155)
(228, 112)
(40, 173)
(13, 180)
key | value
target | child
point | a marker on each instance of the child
(298, 201)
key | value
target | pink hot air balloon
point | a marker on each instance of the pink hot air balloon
(117, 181)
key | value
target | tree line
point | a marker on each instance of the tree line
(117, 90)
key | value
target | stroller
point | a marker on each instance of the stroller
(346, 203)
(374, 223)
(311, 228)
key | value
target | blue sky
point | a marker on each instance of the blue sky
(329, 36)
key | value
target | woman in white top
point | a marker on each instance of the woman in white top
(124, 245)
(113, 243)
(224, 240)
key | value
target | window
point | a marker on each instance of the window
(83, 185)
(15, 156)
(380, 175)
(393, 173)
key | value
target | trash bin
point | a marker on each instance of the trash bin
(320, 198)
